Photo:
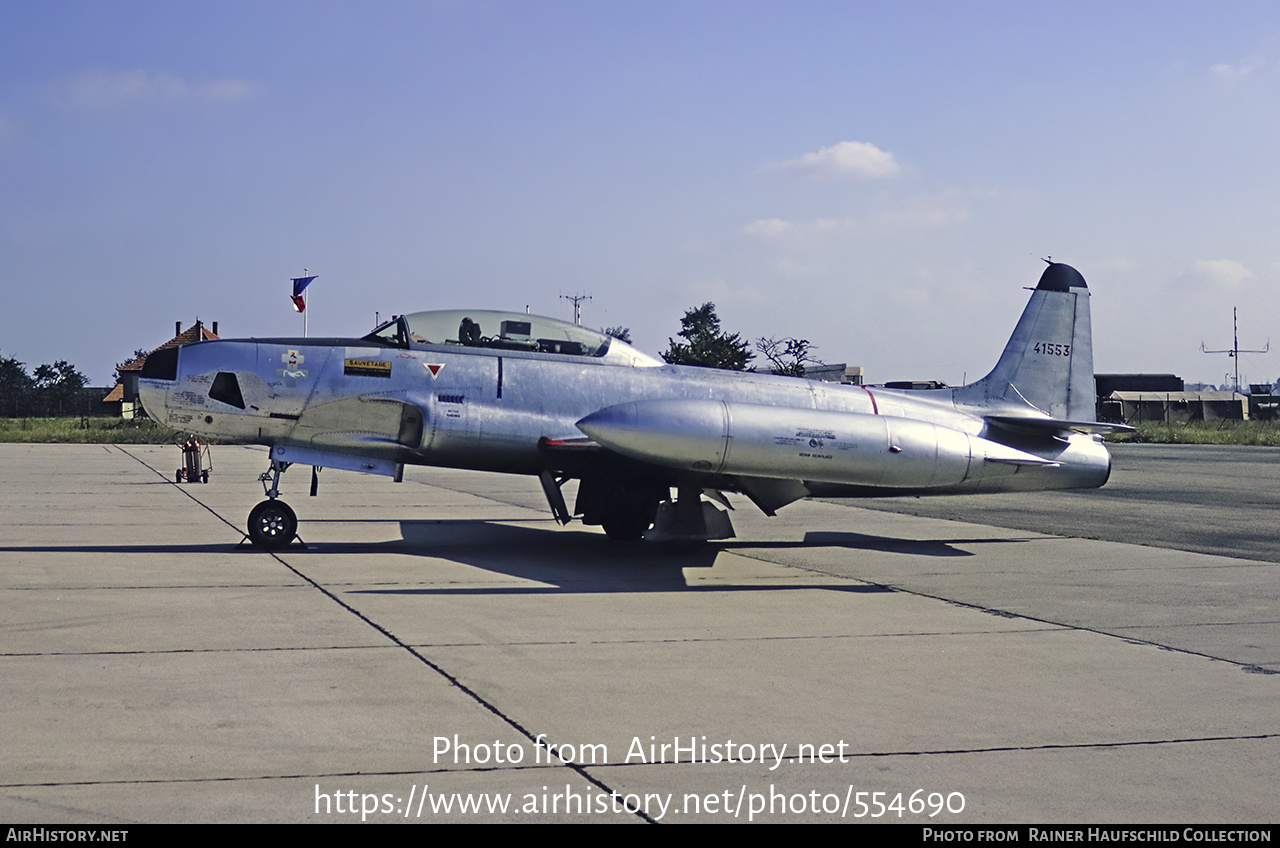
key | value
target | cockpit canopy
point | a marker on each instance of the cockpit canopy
(511, 331)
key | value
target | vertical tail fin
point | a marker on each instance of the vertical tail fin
(1048, 362)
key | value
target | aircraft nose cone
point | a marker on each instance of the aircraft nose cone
(157, 375)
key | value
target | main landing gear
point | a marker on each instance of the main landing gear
(272, 523)
(629, 510)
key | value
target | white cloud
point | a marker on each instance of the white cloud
(1220, 273)
(226, 89)
(99, 89)
(768, 227)
(848, 159)
(777, 228)
(1236, 72)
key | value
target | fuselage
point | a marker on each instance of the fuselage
(370, 405)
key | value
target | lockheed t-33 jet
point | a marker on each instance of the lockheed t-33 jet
(652, 446)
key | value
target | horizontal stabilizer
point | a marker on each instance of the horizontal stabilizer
(1056, 425)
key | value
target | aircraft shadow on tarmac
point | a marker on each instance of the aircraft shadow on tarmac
(574, 561)
(881, 544)
(564, 561)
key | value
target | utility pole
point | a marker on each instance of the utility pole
(1235, 350)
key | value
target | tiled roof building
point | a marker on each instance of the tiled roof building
(126, 391)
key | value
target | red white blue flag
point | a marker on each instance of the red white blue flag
(299, 286)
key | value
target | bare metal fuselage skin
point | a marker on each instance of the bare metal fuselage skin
(377, 403)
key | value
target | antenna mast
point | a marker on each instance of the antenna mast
(1235, 350)
(577, 306)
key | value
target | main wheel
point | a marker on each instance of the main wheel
(628, 519)
(272, 524)
(625, 527)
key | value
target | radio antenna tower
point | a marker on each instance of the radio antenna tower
(1235, 350)
(577, 306)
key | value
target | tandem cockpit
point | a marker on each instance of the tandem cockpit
(504, 331)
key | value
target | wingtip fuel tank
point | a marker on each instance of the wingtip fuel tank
(857, 449)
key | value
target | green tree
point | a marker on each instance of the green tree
(59, 386)
(16, 386)
(621, 333)
(59, 376)
(705, 344)
(787, 356)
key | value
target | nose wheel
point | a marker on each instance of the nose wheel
(272, 524)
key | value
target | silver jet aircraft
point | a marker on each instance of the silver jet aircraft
(516, 393)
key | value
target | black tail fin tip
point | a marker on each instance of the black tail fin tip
(1059, 277)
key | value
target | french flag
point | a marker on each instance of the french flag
(299, 286)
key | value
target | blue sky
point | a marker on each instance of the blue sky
(882, 179)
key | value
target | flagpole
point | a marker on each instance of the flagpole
(304, 311)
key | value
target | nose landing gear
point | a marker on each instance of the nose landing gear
(272, 523)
